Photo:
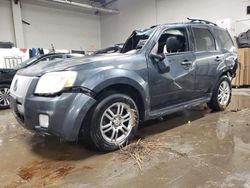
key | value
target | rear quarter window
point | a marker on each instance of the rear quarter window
(224, 39)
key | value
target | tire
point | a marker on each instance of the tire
(106, 129)
(221, 96)
(4, 96)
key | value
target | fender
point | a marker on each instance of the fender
(111, 77)
(226, 65)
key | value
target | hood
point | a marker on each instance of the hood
(60, 65)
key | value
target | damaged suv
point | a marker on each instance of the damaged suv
(101, 99)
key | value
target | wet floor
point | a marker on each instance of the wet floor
(197, 148)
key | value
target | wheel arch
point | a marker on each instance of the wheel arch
(129, 90)
(123, 81)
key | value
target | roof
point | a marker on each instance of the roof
(193, 21)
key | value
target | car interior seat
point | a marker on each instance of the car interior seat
(174, 45)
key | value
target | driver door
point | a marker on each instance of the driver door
(176, 83)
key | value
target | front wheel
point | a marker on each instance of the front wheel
(113, 123)
(221, 96)
(4, 96)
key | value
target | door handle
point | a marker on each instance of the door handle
(187, 63)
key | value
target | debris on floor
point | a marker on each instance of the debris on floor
(140, 151)
(235, 110)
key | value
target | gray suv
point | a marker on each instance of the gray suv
(102, 98)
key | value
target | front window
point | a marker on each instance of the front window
(171, 41)
(137, 40)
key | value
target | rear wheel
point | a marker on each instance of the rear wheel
(113, 122)
(221, 95)
(4, 96)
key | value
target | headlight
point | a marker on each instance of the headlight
(55, 82)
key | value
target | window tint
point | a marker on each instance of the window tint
(44, 59)
(204, 40)
(56, 57)
(172, 41)
(224, 39)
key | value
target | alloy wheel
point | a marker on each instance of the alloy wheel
(4, 97)
(117, 123)
(224, 93)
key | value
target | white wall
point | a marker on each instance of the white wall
(6, 22)
(136, 14)
(73, 29)
(65, 28)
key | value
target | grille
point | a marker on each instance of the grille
(20, 85)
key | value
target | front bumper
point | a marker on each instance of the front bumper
(66, 113)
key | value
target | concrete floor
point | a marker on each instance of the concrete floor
(212, 150)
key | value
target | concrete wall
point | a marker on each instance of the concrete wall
(137, 14)
(52, 24)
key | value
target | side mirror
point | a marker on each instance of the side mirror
(157, 57)
(162, 65)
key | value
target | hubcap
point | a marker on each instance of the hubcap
(4, 97)
(224, 93)
(117, 122)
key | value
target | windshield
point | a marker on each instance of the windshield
(137, 40)
(28, 62)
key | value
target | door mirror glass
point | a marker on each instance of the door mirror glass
(164, 66)
(161, 61)
(157, 57)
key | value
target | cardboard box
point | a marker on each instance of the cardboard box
(243, 73)
(236, 81)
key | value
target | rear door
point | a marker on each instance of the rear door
(207, 58)
(227, 49)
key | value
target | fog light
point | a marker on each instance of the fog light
(44, 120)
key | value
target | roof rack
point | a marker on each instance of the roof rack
(153, 26)
(192, 20)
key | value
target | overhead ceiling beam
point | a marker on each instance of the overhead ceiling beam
(86, 6)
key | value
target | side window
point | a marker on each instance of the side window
(171, 41)
(204, 40)
(224, 39)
